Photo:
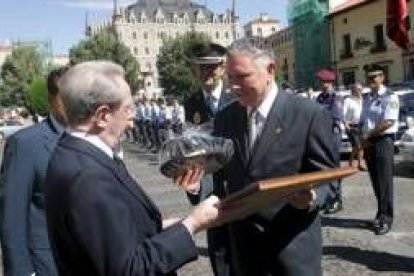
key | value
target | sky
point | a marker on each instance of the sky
(63, 21)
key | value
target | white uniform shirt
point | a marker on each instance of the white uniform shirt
(378, 108)
(352, 110)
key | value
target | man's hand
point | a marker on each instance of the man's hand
(304, 199)
(211, 213)
(190, 180)
(203, 216)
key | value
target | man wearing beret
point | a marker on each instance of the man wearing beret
(333, 104)
(379, 123)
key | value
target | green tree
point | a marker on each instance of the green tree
(38, 96)
(105, 45)
(175, 65)
(19, 69)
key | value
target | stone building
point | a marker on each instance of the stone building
(146, 24)
(359, 38)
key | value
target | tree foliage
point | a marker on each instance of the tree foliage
(105, 45)
(38, 96)
(19, 69)
(175, 63)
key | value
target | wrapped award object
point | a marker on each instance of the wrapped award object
(194, 146)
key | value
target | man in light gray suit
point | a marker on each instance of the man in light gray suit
(24, 238)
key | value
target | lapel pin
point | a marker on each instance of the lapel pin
(278, 130)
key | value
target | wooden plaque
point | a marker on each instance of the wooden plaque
(266, 192)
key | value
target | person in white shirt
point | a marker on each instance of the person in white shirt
(352, 114)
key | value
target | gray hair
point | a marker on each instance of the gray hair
(262, 57)
(88, 85)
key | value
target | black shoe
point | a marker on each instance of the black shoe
(333, 207)
(375, 224)
(383, 228)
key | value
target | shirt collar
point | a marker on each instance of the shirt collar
(382, 90)
(264, 108)
(216, 93)
(59, 127)
(94, 140)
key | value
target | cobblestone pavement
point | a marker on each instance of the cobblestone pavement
(350, 248)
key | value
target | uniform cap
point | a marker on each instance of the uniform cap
(209, 53)
(326, 75)
(374, 70)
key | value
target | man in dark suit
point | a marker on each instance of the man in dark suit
(24, 239)
(275, 134)
(100, 221)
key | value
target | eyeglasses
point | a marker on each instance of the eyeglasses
(209, 66)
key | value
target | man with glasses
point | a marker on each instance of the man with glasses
(379, 123)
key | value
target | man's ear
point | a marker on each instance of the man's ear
(101, 116)
(271, 68)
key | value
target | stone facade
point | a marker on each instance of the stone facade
(359, 39)
(144, 26)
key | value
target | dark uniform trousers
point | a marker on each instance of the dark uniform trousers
(380, 161)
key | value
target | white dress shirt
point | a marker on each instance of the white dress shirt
(258, 116)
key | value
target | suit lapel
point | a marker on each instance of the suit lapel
(121, 174)
(240, 134)
(272, 130)
(226, 98)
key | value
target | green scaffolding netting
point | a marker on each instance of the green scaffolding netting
(311, 39)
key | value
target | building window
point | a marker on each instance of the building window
(273, 29)
(147, 52)
(134, 35)
(145, 35)
(163, 36)
(379, 45)
(149, 66)
(226, 35)
(259, 32)
(135, 51)
(348, 78)
(217, 35)
(346, 47)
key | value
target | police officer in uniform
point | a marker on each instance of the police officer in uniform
(214, 95)
(333, 104)
(379, 124)
(200, 108)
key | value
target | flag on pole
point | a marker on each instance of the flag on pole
(397, 13)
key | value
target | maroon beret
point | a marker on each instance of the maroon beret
(326, 75)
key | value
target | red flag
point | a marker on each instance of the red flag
(397, 13)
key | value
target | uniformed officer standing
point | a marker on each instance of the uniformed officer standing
(333, 104)
(209, 68)
(379, 124)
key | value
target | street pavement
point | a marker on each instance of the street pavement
(350, 247)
